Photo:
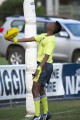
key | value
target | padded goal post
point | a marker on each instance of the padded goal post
(30, 53)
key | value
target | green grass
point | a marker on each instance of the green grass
(61, 110)
(3, 61)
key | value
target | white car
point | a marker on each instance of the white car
(67, 41)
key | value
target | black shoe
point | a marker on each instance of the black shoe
(38, 117)
(47, 116)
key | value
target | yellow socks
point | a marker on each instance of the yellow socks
(37, 106)
(44, 103)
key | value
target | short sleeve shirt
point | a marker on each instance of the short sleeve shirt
(46, 45)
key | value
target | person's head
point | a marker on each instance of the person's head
(54, 27)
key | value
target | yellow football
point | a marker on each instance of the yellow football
(11, 33)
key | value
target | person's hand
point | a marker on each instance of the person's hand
(15, 40)
(8, 39)
(37, 73)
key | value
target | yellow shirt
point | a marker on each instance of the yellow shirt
(46, 45)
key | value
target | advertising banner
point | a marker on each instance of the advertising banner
(12, 82)
(65, 81)
(71, 80)
(55, 87)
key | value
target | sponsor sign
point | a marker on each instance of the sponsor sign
(71, 80)
(12, 82)
(55, 87)
(65, 81)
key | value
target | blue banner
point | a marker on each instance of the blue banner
(71, 80)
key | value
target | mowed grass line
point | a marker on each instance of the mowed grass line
(61, 110)
(3, 61)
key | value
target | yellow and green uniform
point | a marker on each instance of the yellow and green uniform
(46, 45)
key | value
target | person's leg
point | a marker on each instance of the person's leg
(46, 114)
(44, 99)
(46, 78)
(43, 79)
(36, 96)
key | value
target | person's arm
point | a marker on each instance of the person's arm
(32, 39)
(41, 66)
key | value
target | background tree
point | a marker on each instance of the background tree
(15, 7)
(11, 7)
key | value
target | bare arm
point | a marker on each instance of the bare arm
(31, 39)
(42, 64)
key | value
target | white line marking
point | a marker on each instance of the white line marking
(66, 111)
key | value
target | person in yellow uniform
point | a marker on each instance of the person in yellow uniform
(46, 45)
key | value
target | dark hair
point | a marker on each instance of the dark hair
(58, 27)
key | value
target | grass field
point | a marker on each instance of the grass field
(3, 61)
(61, 110)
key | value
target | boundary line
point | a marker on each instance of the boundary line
(56, 113)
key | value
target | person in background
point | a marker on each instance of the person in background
(46, 45)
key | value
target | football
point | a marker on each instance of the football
(11, 33)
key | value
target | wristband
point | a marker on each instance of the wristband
(39, 68)
(15, 40)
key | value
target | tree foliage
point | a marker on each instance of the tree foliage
(11, 7)
(15, 7)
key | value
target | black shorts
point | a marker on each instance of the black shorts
(46, 73)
